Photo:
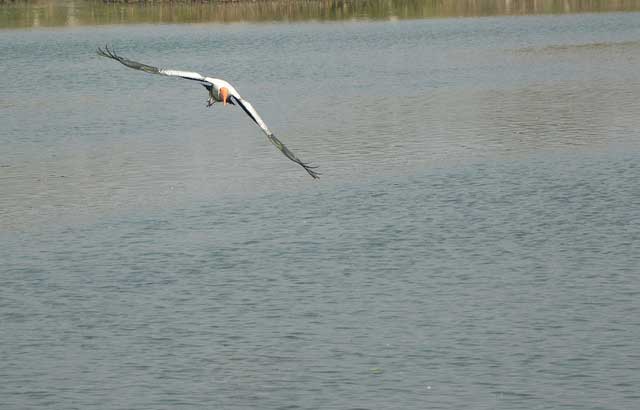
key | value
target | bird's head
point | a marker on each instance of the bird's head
(224, 95)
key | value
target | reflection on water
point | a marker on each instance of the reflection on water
(74, 12)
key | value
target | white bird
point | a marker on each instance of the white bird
(219, 91)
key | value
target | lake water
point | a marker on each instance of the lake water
(473, 242)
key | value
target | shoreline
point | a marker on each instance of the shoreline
(69, 13)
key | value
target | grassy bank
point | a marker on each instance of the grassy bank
(49, 13)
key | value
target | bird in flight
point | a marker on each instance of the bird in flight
(219, 91)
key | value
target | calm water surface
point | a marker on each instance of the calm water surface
(474, 241)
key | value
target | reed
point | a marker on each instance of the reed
(35, 13)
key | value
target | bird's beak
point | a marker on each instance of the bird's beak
(224, 94)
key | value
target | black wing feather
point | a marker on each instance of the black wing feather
(110, 53)
(283, 148)
(287, 152)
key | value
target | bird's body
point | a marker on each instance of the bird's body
(219, 91)
(214, 85)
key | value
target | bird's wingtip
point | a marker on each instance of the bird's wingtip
(107, 52)
(311, 170)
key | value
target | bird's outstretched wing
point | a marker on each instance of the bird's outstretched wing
(110, 53)
(253, 114)
(245, 105)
